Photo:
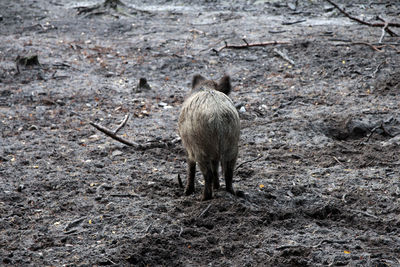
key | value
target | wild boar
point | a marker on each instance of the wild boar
(209, 127)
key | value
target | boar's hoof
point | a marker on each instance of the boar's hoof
(189, 191)
(240, 194)
(230, 190)
(205, 198)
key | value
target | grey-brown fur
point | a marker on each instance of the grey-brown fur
(209, 126)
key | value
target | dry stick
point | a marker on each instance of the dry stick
(180, 232)
(124, 195)
(380, 126)
(114, 136)
(390, 24)
(284, 56)
(376, 48)
(204, 211)
(247, 45)
(148, 145)
(245, 162)
(378, 68)
(107, 259)
(110, 133)
(148, 227)
(370, 134)
(122, 124)
(383, 32)
(337, 160)
(293, 22)
(288, 246)
(394, 48)
(330, 241)
(367, 214)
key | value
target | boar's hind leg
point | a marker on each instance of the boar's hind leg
(207, 171)
(227, 168)
(215, 174)
(190, 179)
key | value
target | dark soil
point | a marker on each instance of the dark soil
(319, 150)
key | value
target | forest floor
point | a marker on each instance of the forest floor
(318, 155)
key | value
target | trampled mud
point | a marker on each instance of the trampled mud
(318, 154)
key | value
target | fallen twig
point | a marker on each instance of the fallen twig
(180, 232)
(337, 160)
(293, 22)
(330, 242)
(378, 68)
(374, 47)
(247, 45)
(380, 126)
(204, 211)
(289, 246)
(371, 133)
(376, 24)
(284, 56)
(383, 32)
(148, 227)
(122, 124)
(247, 161)
(344, 197)
(367, 214)
(109, 261)
(113, 135)
(124, 195)
(388, 24)
(74, 224)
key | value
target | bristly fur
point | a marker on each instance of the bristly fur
(197, 79)
(209, 126)
(223, 85)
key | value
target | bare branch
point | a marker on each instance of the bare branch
(374, 47)
(147, 145)
(122, 124)
(383, 32)
(389, 24)
(284, 56)
(247, 161)
(248, 45)
(204, 211)
(376, 24)
(113, 135)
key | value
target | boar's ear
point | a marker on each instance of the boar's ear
(224, 85)
(197, 79)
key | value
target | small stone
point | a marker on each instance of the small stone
(117, 153)
(20, 187)
(99, 165)
(292, 6)
(94, 137)
(143, 85)
(33, 128)
(242, 109)
(60, 102)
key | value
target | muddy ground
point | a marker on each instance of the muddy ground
(319, 150)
